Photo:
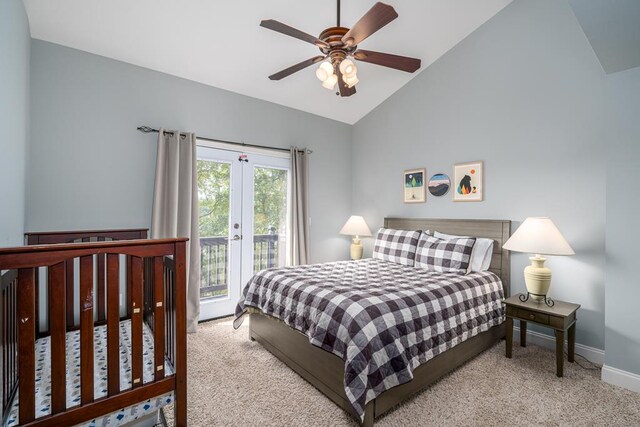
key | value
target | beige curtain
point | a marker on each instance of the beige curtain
(299, 212)
(175, 207)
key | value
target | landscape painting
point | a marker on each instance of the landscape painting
(468, 182)
(414, 186)
(439, 184)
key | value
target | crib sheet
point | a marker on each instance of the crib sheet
(124, 415)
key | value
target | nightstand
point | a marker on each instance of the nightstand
(561, 318)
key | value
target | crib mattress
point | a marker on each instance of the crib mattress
(124, 415)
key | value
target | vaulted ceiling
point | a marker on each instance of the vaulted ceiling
(613, 29)
(220, 43)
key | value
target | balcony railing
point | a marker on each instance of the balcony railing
(214, 261)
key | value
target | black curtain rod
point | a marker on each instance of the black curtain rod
(147, 129)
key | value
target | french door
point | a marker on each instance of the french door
(243, 223)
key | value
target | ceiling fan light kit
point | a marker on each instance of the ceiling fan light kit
(330, 82)
(348, 68)
(351, 81)
(339, 44)
(324, 71)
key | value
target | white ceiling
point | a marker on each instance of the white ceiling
(220, 43)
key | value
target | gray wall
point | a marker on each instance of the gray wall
(15, 42)
(525, 94)
(613, 28)
(89, 166)
(622, 334)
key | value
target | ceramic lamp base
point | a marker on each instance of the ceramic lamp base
(356, 249)
(537, 278)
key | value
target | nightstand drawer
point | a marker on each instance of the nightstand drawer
(534, 316)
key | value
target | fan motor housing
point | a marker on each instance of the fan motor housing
(333, 37)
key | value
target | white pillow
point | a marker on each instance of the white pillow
(481, 254)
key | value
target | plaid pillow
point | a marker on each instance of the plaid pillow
(444, 256)
(397, 246)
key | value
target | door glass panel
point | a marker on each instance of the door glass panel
(214, 185)
(269, 217)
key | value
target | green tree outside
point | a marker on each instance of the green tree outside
(270, 196)
(214, 187)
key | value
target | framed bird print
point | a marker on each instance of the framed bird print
(468, 182)
(414, 186)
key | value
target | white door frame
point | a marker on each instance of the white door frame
(241, 211)
(210, 307)
(256, 160)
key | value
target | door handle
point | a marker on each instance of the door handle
(235, 237)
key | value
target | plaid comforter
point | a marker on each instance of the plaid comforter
(383, 319)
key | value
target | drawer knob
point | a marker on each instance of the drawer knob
(531, 316)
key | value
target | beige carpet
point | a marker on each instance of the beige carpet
(235, 382)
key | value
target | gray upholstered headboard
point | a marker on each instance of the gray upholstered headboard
(498, 230)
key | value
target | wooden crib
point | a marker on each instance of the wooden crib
(113, 333)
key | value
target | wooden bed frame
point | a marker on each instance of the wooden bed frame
(155, 285)
(325, 370)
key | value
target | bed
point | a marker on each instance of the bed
(108, 345)
(355, 362)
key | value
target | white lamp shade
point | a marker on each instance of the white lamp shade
(330, 82)
(348, 68)
(324, 70)
(538, 236)
(351, 81)
(356, 226)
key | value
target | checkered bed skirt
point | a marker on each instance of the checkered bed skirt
(383, 319)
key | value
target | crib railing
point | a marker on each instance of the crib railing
(84, 236)
(8, 288)
(157, 282)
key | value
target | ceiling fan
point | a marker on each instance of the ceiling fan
(338, 44)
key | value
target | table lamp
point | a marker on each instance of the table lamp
(357, 228)
(538, 236)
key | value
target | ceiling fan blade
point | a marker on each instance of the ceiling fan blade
(290, 31)
(342, 86)
(295, 68)
(397, 62)
(377, 17)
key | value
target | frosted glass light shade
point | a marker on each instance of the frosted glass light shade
(348, 68)
(324, 70)
(351, 81)
(330, 82)
(355, 226)
(538, 236)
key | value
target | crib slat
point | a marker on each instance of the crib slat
(6, 360)
(7, 326)
(86, 329)
(5, 346)
(158, 317)
(69, 292)
(180, 284)
(136, 321)
(113, 324)
(101, 293)
(58, 337)
(129, 257)
(27, 334)
(14, 331)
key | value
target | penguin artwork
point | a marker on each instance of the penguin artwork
(465, 185)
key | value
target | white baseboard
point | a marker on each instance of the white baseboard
(610, 375)
(621, 378)
(592, 354)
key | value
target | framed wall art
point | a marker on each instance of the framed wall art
(439, 184)
(468, 182)
(414, 186)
